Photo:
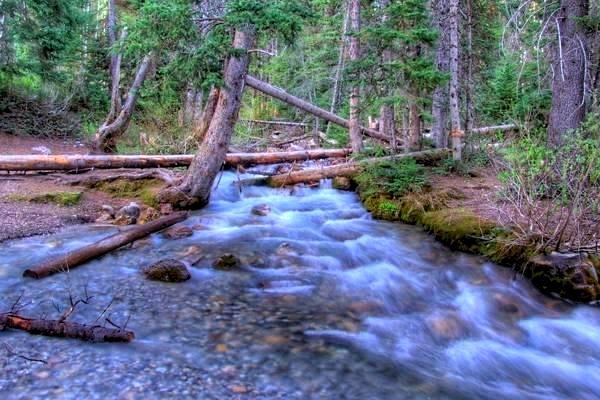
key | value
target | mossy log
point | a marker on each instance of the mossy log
(350, 169)
(77, 257)
(85, 162)
(65, 329)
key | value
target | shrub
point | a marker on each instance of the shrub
(395, 178)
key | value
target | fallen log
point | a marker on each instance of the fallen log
(305, 106)
(65, 329)
(84, 162)
(77, 257)
(492, 129)
(349, 169)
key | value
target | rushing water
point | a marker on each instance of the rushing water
(328, 304)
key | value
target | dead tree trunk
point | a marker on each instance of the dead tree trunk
(337, 81)
(65, 329)
(305, 106)
(355, 134)
(196, 188)
(570, 69)
(201, 127)
(349, 169)
(84, 162)
(119, 116)
(75, 258)
(387, 124)
(439, 108)
(456, 133)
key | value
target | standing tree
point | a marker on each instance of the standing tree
(355, 131)
(456, 131)
(570, 68)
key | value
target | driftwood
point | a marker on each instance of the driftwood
(349, 169)
(77, 257)
(305, 106)
(492, 129)
(84, 162)
(65, 329)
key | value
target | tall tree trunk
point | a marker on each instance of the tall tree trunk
(439, 110)
(469, 115)
(414, 129)
(337, 81)
(195, 190)
(355, 131)
(387, 124)
(457, 133)
(569, 67)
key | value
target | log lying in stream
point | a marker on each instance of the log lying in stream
(77, 257)
(349, 169)
(84, 162)
(65, 329)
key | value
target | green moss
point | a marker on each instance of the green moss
(64, 199)
(146, 190)
(506, 249)
(459, 228)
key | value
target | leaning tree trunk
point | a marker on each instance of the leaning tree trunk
(457, 133)
(570, 61)
(355, 131)
(202, 124)
(116, 125)
(195, 190)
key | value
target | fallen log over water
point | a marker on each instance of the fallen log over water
(65, 329)
(349, 169)
(305, 106)
(77, 257)
(84, 162)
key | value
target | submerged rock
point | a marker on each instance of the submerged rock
(262, 210)
(343, 183)
(178, 232)
(570, 276)
(167, 271)
(227, 261)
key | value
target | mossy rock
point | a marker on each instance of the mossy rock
(459, 228)
(167, 271)
(506, 249)
(64, 199)
(146, 190)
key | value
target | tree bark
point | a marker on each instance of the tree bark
(387, 124)
(305, 106)
(569, 70)
(196, 188)
(85, 162)
(354, 121)
(201, 127)
(337, 81)
(65, 329)
(440, 102)
(414, 130)
(348, 169)
(75, 258)
(456, 133)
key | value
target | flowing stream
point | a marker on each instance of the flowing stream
(328, 304)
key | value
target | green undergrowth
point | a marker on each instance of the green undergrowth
(64, 199)
(146, 190)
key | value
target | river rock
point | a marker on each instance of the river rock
(178, 232)
(343, 183)
(262, 210)
(166, 209)
(446, 327)
(227, 261)
(41, 150)
(167, 271)
(570, 276)
(128, 215)
(148, 215)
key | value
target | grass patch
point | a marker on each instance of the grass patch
(64, 199)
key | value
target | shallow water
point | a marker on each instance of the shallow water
(329, 304)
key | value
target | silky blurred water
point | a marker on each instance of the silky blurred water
(328, 304)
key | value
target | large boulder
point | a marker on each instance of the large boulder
(569, 276)
(178, 232)
(167, 271)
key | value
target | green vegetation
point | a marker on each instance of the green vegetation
(64, 199)
(394, 178)
(145, 190)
